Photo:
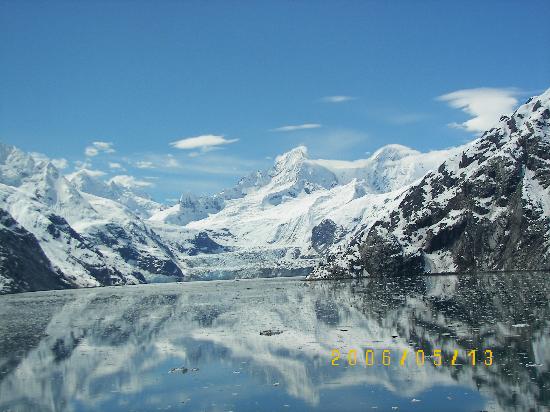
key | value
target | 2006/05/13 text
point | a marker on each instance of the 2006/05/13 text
(405, 357)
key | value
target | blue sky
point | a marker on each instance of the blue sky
(139, 77)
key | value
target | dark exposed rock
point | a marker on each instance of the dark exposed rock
(270, 332)
(384, 255)
(132, 244)
(23, 264)
(183, 370)
(324, 235)
(204, 244)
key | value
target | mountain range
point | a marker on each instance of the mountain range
(481, 206)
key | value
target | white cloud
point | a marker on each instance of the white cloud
(60, 163)
(150, 161)
(79, 164)
(203, 142)
(337, 99)
(106, 147)
(98, 147)
(293, 128)
(91, 151)
(95, 173)
(485, 105)
(115, 165)
(142, 164)
(129, 182)
(211, 163)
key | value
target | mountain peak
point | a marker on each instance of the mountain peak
(88, 181)
(15, 165)
(188, 198)
(393, 152)
(5, 151)
(50, 171)
(293, 156)
(544, 97)
(534, 108)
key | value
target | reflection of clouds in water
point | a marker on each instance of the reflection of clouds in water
(106, 343)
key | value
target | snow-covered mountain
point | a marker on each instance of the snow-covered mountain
(23, 264)
(294, 175)
(486, 208)
(303, 205)
(86, 231)
(189, 208)
(86, 240)
(137, 201)
(484, 205)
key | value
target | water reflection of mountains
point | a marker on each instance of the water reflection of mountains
(86, 347)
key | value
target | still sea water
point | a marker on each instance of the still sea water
(403, 344)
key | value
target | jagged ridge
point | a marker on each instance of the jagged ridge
(487, 208)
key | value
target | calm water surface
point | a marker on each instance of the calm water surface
(198, 347)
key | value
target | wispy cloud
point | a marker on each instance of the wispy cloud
(292, 128)
(203, 142)
(106, 147)
(219, 164)
(485, 105)
(95, 173)
(337, 99)
(98, 147)
(115, 165)
(213, 163)
(91, 151)
(334, 143)
(143, 164)
(130, 182)
(79, 164)
(153, 161)
(330, 143)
